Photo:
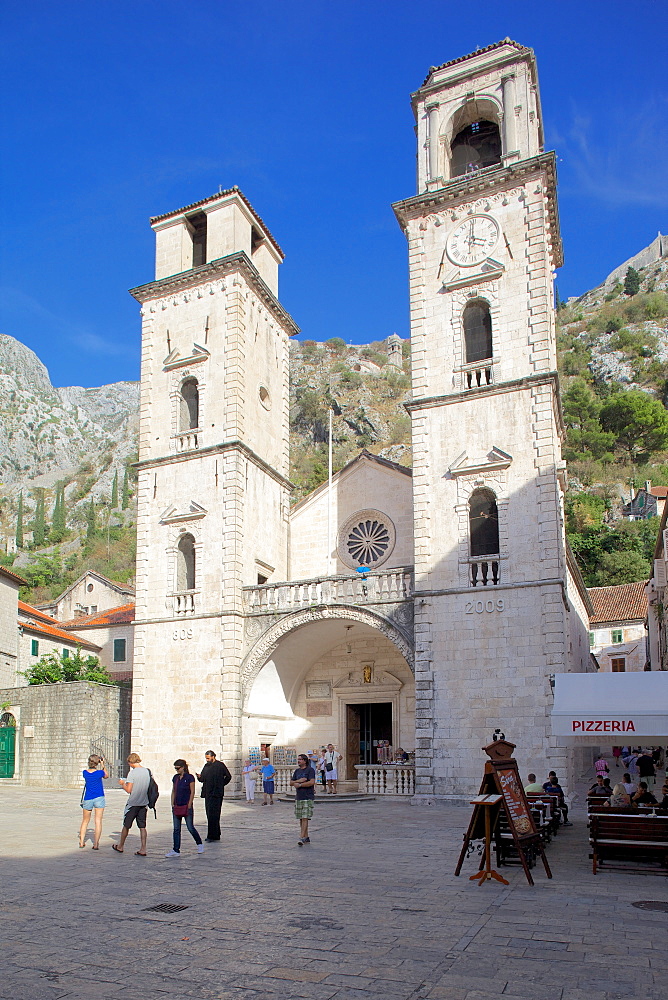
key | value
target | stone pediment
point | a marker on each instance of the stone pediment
(493, 461)
(174, 514)
(177, 360)
(379, 679)
(459, 278)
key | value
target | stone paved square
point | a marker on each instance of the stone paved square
(370, 911)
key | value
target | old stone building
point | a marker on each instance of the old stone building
(423, 609)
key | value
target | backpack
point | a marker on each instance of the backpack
(153, 793)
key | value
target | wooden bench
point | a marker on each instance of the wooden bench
(629, 841)
(554, 805)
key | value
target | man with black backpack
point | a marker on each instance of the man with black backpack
(214, 777)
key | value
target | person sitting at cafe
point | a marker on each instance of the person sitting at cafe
(630, 786)
(400, 756)
(644, 797)
(607, 785)
(554, 788)
(664, 801)
(620, 797)
(599, 788)
(533, 788)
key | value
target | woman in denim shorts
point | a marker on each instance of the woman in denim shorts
(92, 799)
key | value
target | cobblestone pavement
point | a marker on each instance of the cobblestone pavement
(370, 910)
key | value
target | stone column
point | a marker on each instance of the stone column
(509, 140)
(432, 141)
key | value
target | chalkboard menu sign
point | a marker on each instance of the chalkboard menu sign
(501, 783)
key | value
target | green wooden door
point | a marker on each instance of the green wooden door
(7, 747)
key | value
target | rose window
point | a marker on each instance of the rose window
(367, 539)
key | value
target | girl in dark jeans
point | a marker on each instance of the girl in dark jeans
(183, 793)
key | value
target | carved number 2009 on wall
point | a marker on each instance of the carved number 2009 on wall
(482, 607)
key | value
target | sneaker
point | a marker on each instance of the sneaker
(200, 848)
(306, 840)
(300, 843)
(567, 823)
(173, 854)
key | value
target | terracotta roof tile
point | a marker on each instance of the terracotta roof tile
(13, 576)
(627, 602)
(35, 613)
(41, 628)
(124, 615)
(215, 197)
(659, 491)
(470, 55)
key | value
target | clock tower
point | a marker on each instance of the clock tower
(496, 610)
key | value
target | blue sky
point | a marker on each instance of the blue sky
(116, 111)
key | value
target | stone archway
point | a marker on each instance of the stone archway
(269, 640)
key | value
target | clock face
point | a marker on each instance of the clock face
(473, 240)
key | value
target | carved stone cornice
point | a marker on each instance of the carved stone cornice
(216, 449)
(471, 186)
(214, 270)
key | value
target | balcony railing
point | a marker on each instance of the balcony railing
(184, 603)
(188, 440)
(484, 571)
(390, 587)
(386, 779)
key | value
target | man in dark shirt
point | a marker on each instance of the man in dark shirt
(599, 788)
(645, 766)
(214, 777)
(303, 780)
(554, 788)
(644, 797)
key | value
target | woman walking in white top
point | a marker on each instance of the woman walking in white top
(332, 758)
(249, 772)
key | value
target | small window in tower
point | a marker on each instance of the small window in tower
(477, 332)
(257, 239)
(189, 405)
(261, 579)
(483, 523)
(198, 230)
(185, 563)
(475, 147)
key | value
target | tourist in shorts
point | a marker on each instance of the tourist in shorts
(136, 785)
(332, 758)
(303, 780)
(268, 772)
(93, 800)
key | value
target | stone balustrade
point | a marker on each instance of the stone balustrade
(187, 440)
(386, 779)
(375, 588)
(484, 571)
(184, 603)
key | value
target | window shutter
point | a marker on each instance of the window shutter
(660, 572)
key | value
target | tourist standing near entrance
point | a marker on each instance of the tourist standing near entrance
(136, 785)
(183, 794)
(303, 780)
(93, 799)
(268, 773)
(214, 777)
(249, 772)
(332, 758)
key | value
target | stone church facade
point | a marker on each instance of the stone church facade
(426, 608)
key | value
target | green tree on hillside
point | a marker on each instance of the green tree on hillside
(586, 437)
(39, 522)
(639, 422)
(19, 523)
(58, 524)
(90, 522)
(127, 493)
(114, 491)
(631, 282)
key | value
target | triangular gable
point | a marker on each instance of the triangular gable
(493, 461)
(364, 456)
(175, 360)
(174, 514)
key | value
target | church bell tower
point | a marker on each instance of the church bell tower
(213, 467)
(491, 575)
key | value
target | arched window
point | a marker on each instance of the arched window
(474, 147)
(483, 524)
(185, 563)
(477, 332)
(189, 405)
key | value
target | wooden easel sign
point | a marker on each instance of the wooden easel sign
(501, 788)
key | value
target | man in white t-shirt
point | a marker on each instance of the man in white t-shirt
(332, 758)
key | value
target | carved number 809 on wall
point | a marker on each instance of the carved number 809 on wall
(482, 607)
(182, 633)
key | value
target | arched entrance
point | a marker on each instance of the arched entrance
(331, 675)
(7, 745)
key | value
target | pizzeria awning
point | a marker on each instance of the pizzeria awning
(611, 708)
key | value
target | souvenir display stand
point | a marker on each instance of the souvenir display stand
(501, 788)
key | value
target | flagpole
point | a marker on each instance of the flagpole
(329, 494)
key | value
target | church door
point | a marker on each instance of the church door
(7, 748)
(353, 727)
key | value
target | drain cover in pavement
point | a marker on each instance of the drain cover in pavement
(651, 904)
(165, 908)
